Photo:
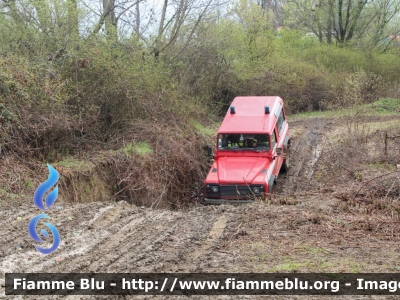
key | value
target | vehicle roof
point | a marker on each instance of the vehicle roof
(249, 116)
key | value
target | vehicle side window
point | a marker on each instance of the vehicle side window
(280, 117)
(280, 121)
(273, 137)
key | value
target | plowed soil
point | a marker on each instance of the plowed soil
(302, 230)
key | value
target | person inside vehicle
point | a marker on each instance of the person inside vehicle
(251, 142)
(263, 141)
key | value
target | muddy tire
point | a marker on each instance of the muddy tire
(286, 161)
(271, 194)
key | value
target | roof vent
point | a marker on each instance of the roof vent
(233, 110)
(267, 109)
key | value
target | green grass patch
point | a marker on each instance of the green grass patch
(74, 163)
(326, 266)
(140, 148)
(382, 107)
(291, 264)
(313, 250)
(386, 105)
(352, 266)
(128, 149)
(207, 131)
(143, 148)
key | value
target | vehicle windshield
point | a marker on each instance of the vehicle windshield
(243, 141)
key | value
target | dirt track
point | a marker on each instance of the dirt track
(261, 237)
(106, 237)
(150, 240)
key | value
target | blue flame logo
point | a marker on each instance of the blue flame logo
(49, 201)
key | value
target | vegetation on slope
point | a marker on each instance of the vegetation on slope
(143, 108)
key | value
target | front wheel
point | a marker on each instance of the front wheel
(271, 193)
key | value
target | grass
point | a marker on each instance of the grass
(326, 266)
(128, 149)
(317, 264)
(7, 198)
(383, 107)
(381, 165)
(385, 125)
(73, 163)
(206, 131)
(143, 148)
(313, 250)
(29, 184)
(386, 105)
(337, 265)
(140, 148)
(290, 266)
(260, 254)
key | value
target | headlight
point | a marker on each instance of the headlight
(256, 190)
(213, 190)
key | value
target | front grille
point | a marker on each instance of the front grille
(235, 190)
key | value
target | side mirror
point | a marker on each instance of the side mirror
(279, 151)
(208, 151)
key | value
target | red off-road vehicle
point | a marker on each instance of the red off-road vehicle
(252, 147)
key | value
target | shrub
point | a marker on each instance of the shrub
(357, 88)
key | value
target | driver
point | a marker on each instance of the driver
(254, 143)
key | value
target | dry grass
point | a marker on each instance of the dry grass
(168, 176)
(345, 218)
(356, 158)
(155, 167)
(315, 238)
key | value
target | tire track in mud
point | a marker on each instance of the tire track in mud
(7, 217)
(88, 239)
(191, 250)
(183, 247)
(117, 236)
(14, 229)
(136, 237)
(167, 246)
(211, 238)
(305, 150)
(92, 247)
(27, 259)
(141, 253)
(14, 226)
(110, 237)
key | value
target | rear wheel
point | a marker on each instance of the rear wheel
(285, 165)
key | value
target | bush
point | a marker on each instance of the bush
(357, 88)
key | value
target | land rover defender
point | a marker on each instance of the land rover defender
(252, 146)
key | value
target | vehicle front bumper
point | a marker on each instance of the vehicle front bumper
(227, 201)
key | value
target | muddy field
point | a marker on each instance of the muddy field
(306, 228)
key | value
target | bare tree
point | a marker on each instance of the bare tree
(107, 18)
(179, 21)
(342, 19)
(110, 18)
(382, 12)
(137, 21)
(275, 7)
(73, 16)
(56, 20)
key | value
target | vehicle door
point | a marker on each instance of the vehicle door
(278, 161)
